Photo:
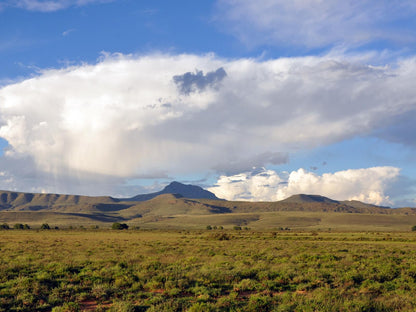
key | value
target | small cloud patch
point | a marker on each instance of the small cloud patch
(197, 82)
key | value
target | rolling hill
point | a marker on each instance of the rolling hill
(188, 206)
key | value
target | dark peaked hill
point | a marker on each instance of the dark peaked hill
(185, 190)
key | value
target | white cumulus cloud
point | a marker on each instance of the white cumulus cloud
(127, 116)
(367, 185)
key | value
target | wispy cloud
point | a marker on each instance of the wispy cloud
(49, 5)
(317, 23)
(68, 31)
(149, 11)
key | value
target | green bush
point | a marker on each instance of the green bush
(45, 226)
(220, 236)
(20, 226)
(67, 307)
(120, 306)
(414, 228)
(4, 226)
(119, 226)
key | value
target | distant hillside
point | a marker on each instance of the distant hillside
(54, 202)
(189, 206)
(303, 198)
(173, 204)
(188, 191)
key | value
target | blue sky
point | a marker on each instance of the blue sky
(252, 100)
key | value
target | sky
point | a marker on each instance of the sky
(252, 100)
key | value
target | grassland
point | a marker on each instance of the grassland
(295, 220)
(216, 270)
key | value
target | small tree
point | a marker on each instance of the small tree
(414, 228)
(119, 226)
(4, 226)
(45, 226)
(209, 227)
(18, 226)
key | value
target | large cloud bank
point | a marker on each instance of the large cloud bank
(366, 185)
(159, 115)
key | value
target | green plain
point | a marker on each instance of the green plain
(207, 270)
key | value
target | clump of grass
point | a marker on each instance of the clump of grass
(220, 236)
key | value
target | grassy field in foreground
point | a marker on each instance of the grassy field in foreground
(217, 270)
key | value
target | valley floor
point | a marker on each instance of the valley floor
(216, 270)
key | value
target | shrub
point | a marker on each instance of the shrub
(18, 226)
(259, 302)
(119, 226)
(237, 228)
(67, 307)
(200, 307)
(120, 306)
(45, 226)
(220, 236)
(414, 228)
(209, 227)
(4, 226)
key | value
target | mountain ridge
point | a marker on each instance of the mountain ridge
(169, 205)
